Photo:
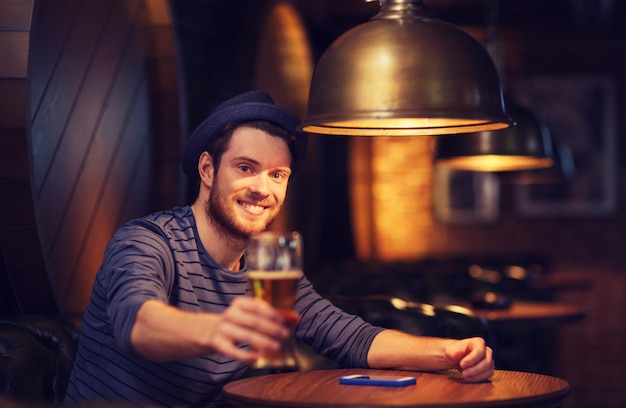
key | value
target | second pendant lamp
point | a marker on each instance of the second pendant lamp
(525, 145)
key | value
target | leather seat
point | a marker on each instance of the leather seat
(36, 356)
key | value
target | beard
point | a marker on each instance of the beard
(220, 210)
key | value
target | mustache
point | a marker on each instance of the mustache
(257, 200)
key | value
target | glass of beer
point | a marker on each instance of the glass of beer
(274, 263)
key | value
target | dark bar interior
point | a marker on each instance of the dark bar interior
(98, 98)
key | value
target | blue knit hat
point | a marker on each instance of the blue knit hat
(251, 105)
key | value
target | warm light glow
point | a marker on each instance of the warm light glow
(158, 12)
(494, 163)
(391, 182)
(284, 62)
(402, 127)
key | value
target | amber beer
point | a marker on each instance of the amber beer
(278, 288)
(274, 262)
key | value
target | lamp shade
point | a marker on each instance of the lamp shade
(562, 170)
(526, 145)
(404, 72)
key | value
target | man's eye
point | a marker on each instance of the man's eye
(244, 168)
(278, 176)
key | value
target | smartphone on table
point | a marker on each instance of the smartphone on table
(380, 380)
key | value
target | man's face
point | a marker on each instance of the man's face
(249, 189)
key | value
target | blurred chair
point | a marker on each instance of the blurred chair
(458, 322)
(517, 279)
(511, 280)
(418, 318)
(381, 310)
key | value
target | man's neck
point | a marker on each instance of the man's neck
(224, 248)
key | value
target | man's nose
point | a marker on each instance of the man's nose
(260, 184)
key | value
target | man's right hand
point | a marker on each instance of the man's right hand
(165, 333)
(249, 321)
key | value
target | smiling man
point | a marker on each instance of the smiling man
(249, 190)
(170, 321)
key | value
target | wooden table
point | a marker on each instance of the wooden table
(532, 313)
(321, 389)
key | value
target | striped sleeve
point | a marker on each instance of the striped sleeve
(139, 266)
(331, 332)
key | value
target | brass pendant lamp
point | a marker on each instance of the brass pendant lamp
(404, 72)
(525, 145)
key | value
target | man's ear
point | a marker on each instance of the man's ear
(205, 168)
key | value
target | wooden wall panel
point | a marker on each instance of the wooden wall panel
(21, 264)
(92, 127)
(77, 132)
(13, 154)
(125, 191)
(77, 138)
(13, 106)
(84, 121)
(51, 116)
(55, 20)
(88, 193)
(16, 14)
(13, 54)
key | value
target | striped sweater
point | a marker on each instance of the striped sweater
(161, 257)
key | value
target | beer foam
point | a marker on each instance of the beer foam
(286, 274)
